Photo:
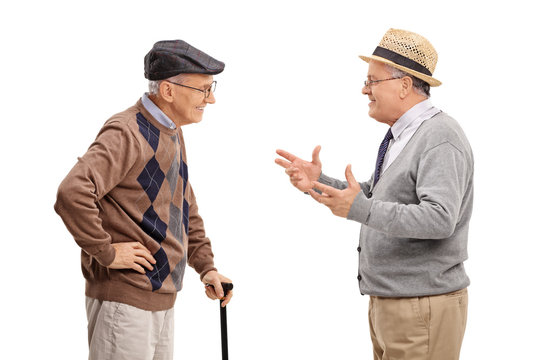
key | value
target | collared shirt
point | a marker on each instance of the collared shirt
(156, 112)
(405, 127)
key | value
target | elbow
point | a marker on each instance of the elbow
(64, 198)
(445, 232)
(440, 220)
(445, 227)
(61, 199)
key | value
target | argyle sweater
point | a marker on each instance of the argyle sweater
(132, 185)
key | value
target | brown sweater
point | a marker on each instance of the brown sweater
(132, 185)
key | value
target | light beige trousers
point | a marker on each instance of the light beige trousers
(120, 331)
(420, 328)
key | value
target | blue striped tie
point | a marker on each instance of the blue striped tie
(380, 156)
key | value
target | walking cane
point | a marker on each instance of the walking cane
(223, 316)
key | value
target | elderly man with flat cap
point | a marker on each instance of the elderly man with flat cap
(130, 206)
(414, 210)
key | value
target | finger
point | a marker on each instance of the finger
(315, 155)
(350, 177)
(210, 293)
(283, 163)
(138, 246)
(286, 155)
(291, 170)
(322, 198)
(227, 299)
(330, 191)
(217, 288)
(142, 261)
(138, 268)
(145, 254)
(295, 175)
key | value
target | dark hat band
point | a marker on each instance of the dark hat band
(401, 60)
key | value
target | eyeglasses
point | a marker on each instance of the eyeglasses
(206, 92)
(368, 83)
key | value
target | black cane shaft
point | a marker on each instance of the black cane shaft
(224, 342)
(223, 316)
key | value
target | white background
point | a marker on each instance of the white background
(292, 80)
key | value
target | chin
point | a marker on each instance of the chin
(377, 118)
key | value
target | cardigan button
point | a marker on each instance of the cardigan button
(359, 277)
(369, 195)
(359, 249)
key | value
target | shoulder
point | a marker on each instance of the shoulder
(121, 130)
(125, 119)
(127, 122)
(441, 129)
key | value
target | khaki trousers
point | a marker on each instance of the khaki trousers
(119, 331)
(420, 328)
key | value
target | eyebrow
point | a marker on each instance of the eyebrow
(207, 85)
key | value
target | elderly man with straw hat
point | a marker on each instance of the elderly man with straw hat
(130, 206)
(414, 210)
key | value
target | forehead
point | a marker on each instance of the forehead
(377, 69)
(201, 79)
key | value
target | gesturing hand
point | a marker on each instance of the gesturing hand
(131, 255)
(338, 201)
(301, 172)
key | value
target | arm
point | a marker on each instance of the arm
(341, 185)
(440, 186)
(200, 255)
(335, 183)
(104, 165)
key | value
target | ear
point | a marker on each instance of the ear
(166, 91)
(406, 87)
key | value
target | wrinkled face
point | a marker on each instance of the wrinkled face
(384, 96)
(188, 104)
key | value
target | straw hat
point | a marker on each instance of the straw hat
(408, 52)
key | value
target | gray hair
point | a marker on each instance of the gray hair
(420, 86)
(153, 85)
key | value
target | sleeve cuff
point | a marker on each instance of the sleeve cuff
(106, 256)
(206, 271)
(324, 179)
(360, 209)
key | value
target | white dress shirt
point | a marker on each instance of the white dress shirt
(405, 127)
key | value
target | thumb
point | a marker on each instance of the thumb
(315, 156)
(218, 288)
(350, 177)
(216, 284)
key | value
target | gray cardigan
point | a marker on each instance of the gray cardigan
(413, 240)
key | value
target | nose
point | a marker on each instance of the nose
(210, 99)
(366, 90)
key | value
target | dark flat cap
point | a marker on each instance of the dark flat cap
(172, 57)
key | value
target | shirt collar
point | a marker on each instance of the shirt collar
(410, 115)
(156, 112)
